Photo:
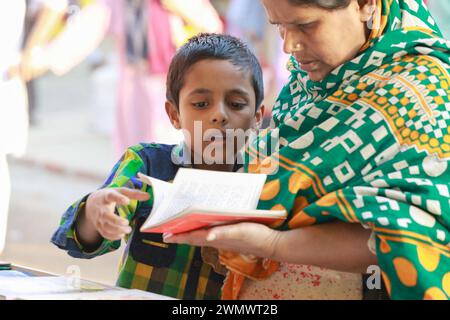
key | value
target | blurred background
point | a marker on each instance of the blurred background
(84, 79)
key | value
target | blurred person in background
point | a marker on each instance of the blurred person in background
(147, 33)
(31, 15)
(45, 21)
(41, 52)
(42, 18)
(13, 101)
(246, 19)
(63, 35)
(15, 70)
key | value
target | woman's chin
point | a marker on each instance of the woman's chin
(316, 75)
(320, 72)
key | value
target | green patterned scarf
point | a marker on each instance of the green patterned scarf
(370, 144)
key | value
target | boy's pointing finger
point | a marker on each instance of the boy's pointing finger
(116, 196)
(134, 194)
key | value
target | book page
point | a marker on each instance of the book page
(210, 189)
(161, 189)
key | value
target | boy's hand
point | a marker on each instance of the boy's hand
(100, 211)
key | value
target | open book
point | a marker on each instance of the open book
(201, 198)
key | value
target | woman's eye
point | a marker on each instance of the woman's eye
(306, 26)
(200, 105)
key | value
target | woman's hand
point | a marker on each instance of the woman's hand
(248, 238)
(336, 245)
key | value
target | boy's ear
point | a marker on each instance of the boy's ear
(173, 114)
(259, 116)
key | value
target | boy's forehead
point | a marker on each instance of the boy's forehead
(207, 74)
(221, 65)
(201, 90)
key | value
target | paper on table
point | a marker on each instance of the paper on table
(67, 288)
(114, 294)
(17, 286)
(13, 273)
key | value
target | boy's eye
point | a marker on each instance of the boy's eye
(238, 105)
(200, 105)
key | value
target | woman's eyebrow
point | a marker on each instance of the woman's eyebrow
(293, 22)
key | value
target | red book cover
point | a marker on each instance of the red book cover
(193, 221)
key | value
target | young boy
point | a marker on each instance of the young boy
(214, 84)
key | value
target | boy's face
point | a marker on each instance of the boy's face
(217, 98)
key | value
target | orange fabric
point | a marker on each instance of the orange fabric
(232, 286)
(241, 266)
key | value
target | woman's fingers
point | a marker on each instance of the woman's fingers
(217, 236)
(232, 232)
(196, 238)
(241, 237)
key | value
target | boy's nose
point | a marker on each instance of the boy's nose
(219, 120)
(219, 116)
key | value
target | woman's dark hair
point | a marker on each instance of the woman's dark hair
(211, 46)
(325, 4)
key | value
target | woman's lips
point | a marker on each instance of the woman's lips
(308, 66)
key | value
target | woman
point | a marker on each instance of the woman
(364, 140)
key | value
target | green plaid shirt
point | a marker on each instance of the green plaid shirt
(148, 263)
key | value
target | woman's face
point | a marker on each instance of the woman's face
(319, 39)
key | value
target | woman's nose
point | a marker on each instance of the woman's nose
(291, 43)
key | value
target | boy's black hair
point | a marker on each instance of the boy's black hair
(212, 46)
